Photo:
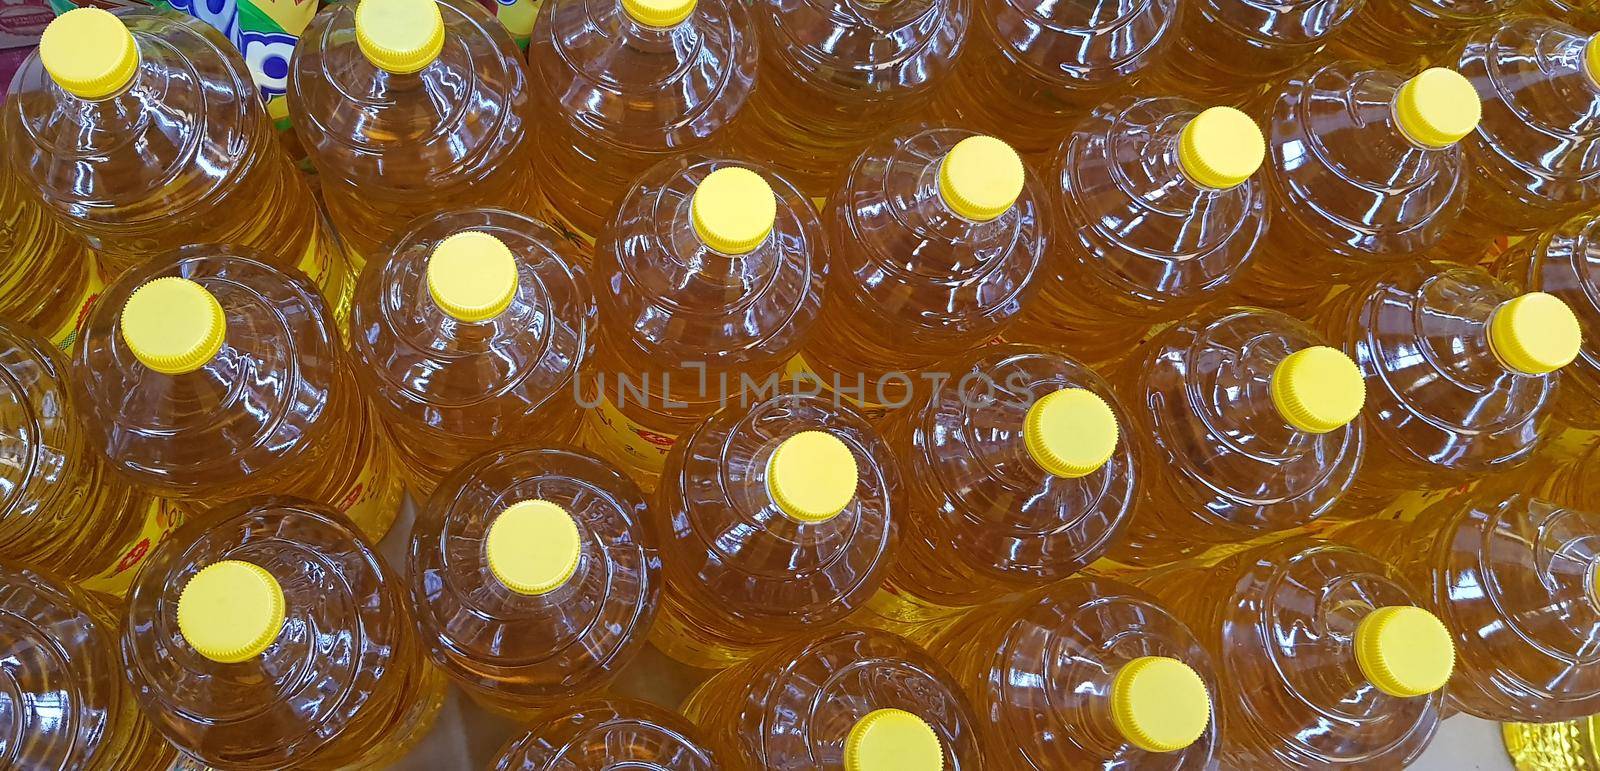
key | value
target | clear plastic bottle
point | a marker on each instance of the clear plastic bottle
(602, 734)
(1564, 261)
(142, 131)
(49, 275)
(269, 633)
(1572, 745)
(1402, 32)
(1029, 68)
(474, 331)
(1326, 658)
(1363, 172)
(841, 700)
(708, 279)
(1246, 421)
(208, 375)
(65, 705)
(620, 85)
(404, 104)
(1087, 673)
(1017, 475)
(776, 519)
(835, 73)
(937, 236)
(536, 575)
(1158, 212)
(1579, 14)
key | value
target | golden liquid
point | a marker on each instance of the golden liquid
(45, 276)
(1569, 746)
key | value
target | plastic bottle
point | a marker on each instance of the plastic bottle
(49, 275)
(1363, 173)
(1579, 14)
(269, 633)
(66, 706)
(536, 575)
(620, 86)
(404, 104)
(1572, 745)
(1246, 420)
(142, 131)
(1029, 68)
(1326, 658)
(776, 519)
(208, 375)
(841, 700)
(936, 236)
(1088, 673)
(1017, 475)
(835, 73)
(472, 332)
(708, 279)
(1402, 32)
(600, 734)
(1158, 213)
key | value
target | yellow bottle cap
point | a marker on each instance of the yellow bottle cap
(1437, 107)
(981, 178)
(1071, 432)
(812, 476)
(89, 53)
(658, 13)
(1318, 389)
(173, 325)
(1220, 148)
(533, 547)
(399, 36)
(1159, 704)
(734, 210)
(1591, 57)
(892, 740)
(231, 611)
(1405, 651)
(1535, 333)
(472, 276)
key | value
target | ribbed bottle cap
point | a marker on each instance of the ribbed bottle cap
(533, 547)
(89, 53)
(734, 210)
(1318, 389)
(892, 740)
(1159, 704)
(472, 276)
(1437, 107)
(1220, 148)
(231, 611)
(1404, 651)
(658, 13)
(399, 36)
(173, 325)
(1591, 57)
(1071, 432)
(981, 178)
(812, 476)
(1535, 333)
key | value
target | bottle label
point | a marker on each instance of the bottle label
(1500, 245)
(67, 334)
(161, 517)
(518, 16)
(364, 502)
(798, 370)
(631, 439)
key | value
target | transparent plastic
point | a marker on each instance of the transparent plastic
(517, 653)
(791, 708)
(1279, 622)
(344, 685)
(64, 705)
(614, 97)
(1579, 14)
(1229, 51)
(1139, 242)
(277, 410)
(447, 389)
(740, 573)
(389, 148)
(1565, 261)
(1029, 67)
(49, 273)
(609, 733)
(1226, 465)
(1401, 32)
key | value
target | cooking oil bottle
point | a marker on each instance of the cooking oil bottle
(608, 733)
(1159, 212)
(269, 633)
(49, 275)
(1579, 14)
(1572, 745)
(841, 700)
(1030, 68)
(1246, 421)
(404, 104)
(835, 73)
(536, 576)
(1224, 52)
(620, 86)
(210, 375)
(1128, 683)
(471, 333)
(937, 236)
(1363, 172)
(1017, 475)
(142, 131)
(1564, 261)
(708, 279)
(1326, 657)
(775, 519)
(1402, 32)
(66, 706)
